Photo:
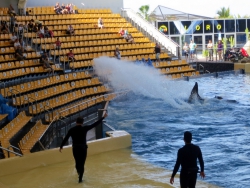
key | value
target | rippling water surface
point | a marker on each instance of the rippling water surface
(220, 128)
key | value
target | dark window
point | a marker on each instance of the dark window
(173, 29)
(218, 26)
(163, 27)
(186, 25)
(186, 38)
(197, 26)
(241, 25)
(208, 26)
(229, 26)
(240, 40)
(248, 24)
(176, 39)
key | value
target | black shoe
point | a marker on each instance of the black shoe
(80, 181)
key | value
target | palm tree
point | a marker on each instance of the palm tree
(144, 11)
(224, 13)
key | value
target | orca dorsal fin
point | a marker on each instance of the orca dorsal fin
(195, 93)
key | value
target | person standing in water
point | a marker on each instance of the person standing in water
(187, 158)
(79, 145)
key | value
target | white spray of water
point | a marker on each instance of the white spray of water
(144, 80)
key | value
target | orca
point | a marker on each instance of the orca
(195, 94)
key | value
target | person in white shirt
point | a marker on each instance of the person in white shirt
(16, 44)
(210, 50)
(100, 23)
(13, 38)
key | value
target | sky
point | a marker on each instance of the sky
(200, 7)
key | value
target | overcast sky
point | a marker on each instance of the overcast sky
(200, 7)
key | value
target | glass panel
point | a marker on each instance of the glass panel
(173, 29)
(208, 26)
(207, 38)
(163, 27)
(186, 25)
(176, 39)
(197, 26)
(218, 26)
(241, 40)
(248, 24)
(229, 26)
(198, 42)
(186, 38)
(241, 25)
(229, 37)
(216, 37)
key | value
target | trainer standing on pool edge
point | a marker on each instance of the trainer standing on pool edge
(187, 158)
(79, 145)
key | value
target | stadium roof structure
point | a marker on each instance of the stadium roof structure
(161, 13)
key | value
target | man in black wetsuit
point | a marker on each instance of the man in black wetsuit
(79, 146)
(187, 158)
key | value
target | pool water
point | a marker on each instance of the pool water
(220, 128)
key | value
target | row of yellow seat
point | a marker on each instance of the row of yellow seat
(100, 49)
(78, 106)
(79, 40)
(65, 99)
(179, 69)
(82, 64)
(180, 75)
(5, 36)
(30, 139)
(25, 71)
(11, 57)
(18, 64)
(45, 82)
(55, 90)
(169, 63)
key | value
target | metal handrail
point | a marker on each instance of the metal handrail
(10, 91)
(208, 71)
(11, 146)
(9, 151)
(32, 103)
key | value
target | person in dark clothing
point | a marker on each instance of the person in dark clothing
(157, 52)
(187, 158)
(79, 146)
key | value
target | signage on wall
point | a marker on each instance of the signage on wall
(163, 29)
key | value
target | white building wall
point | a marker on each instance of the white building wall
(114, 5)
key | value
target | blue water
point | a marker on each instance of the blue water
(220, 128)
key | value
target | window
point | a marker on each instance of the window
(229, 26)
(241, 25)
(219, 26)
(163, 27)
(208, 26)
(173, 29)
(197, 26)
(240, 40)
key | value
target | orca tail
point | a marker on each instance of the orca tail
(195, 93)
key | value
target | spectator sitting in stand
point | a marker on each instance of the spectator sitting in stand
(130, 38)
(39, 24)
(117, 53)
(20, 29)
(121, 32)
(22, 44)
(35, 28)
(63, 9)
(58, 44)
(45, 61)
(68, 8)
(71, 57)
(30, 26)
(57, 9)
(46, 32)
(17, 44)
(71, 8)
(4, 29)
(13, 38)
(70, 30)
(41, 33)
(100, 23)
(19, 53)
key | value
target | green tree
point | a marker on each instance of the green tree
(224, 13)
(143, 10)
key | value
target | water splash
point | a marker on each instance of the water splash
(143, 80)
